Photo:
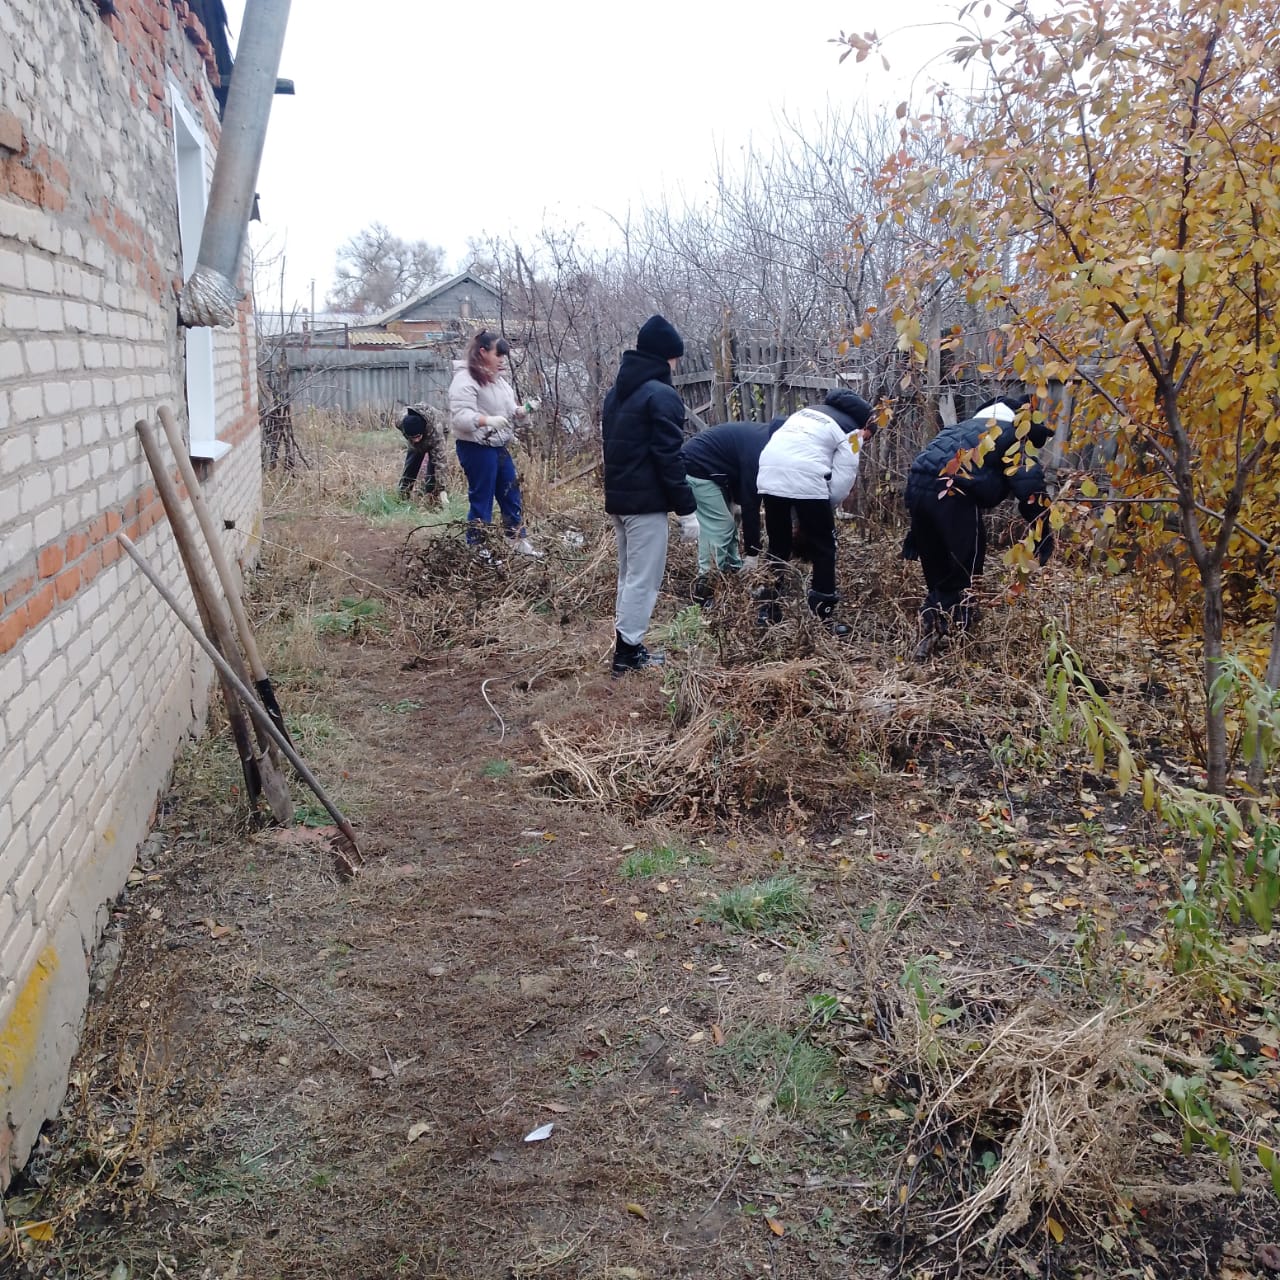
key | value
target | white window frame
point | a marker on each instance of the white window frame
(190, 158)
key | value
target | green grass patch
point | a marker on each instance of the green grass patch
(380, 503)
(496, 769)
(800, 1075)
(401, 708)
(684, 631)
(662, 860)
(350, 617)
(754, 908)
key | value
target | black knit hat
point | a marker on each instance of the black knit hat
(658, 337)
(851, 405)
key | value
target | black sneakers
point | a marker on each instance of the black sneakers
(632, 657)
(823, 607)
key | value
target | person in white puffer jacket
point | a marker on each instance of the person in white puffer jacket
(807, 470)
(483, 413)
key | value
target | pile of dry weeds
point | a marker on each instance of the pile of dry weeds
(775, 739)
(1030, 1109)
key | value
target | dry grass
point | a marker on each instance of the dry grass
(1056, 1092)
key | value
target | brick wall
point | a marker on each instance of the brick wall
(98, 683)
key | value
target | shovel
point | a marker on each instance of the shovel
(273, 785)
(257, 668)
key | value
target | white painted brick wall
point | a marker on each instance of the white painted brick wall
(94, 698)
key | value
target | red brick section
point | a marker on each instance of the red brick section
(34, 176)
(140, 28)
(65, 567)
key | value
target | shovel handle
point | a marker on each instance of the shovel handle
(221, 565)
(251, 704)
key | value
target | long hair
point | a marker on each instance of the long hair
(483, 341)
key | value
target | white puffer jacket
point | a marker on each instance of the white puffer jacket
(809, 456)
(469, 400)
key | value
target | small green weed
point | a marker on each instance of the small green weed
(401, 708)
(755, 907)
(496, 769)
(684, 630)
(350, 617)
(311, 813)
(383, 505)
(802, 1075)
(312, 729)
(661, 860)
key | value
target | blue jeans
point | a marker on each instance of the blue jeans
(491, 474)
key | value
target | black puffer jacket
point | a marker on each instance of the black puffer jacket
(643, 426)
(1007, 470)
(729, 455)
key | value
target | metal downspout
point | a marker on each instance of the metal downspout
(210, 296)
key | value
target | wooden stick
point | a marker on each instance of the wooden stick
(251, 704)
(222, 567)
(273, 783)
(577, 475)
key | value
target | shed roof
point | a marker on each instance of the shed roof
(427, 294)
(374, 338)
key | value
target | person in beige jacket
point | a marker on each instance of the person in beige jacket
(483, 412)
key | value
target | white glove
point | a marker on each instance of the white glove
(689, 528)
(496, 431)
(532, 405)
(750, 564)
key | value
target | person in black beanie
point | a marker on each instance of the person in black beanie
(807, 470)
(424, 434)
(644, 479)
(949, 486)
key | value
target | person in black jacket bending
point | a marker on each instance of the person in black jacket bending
(424, 435)
(965, 469)
(644, 478)
(721, 463)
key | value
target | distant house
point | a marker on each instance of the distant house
(446, 310)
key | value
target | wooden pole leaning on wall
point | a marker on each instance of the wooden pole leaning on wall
(348, 861)
(222, 567)
(274, 786)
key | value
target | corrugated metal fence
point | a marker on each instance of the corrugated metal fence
(363, 381)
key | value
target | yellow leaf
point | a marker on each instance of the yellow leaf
(1055, 1229)
(775, 1226)
(637, 1211)
(642, 916)
(37, 1230)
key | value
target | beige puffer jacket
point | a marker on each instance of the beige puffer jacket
(469, 400)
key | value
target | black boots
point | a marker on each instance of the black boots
(823, 605)
(632, 657)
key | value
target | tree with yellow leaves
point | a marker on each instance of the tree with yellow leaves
(1113, 199)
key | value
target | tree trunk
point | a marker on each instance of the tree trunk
(1215, 711)
(1258, 765)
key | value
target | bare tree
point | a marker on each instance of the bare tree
(377, 270)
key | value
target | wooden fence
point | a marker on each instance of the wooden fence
(754, 380)
(365, 381)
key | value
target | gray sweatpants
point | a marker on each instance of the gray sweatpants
(642, 560)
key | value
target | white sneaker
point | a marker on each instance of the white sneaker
(526, 548)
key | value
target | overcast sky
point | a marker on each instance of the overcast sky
(450, 121)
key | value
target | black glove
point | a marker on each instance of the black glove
(1044, 546)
